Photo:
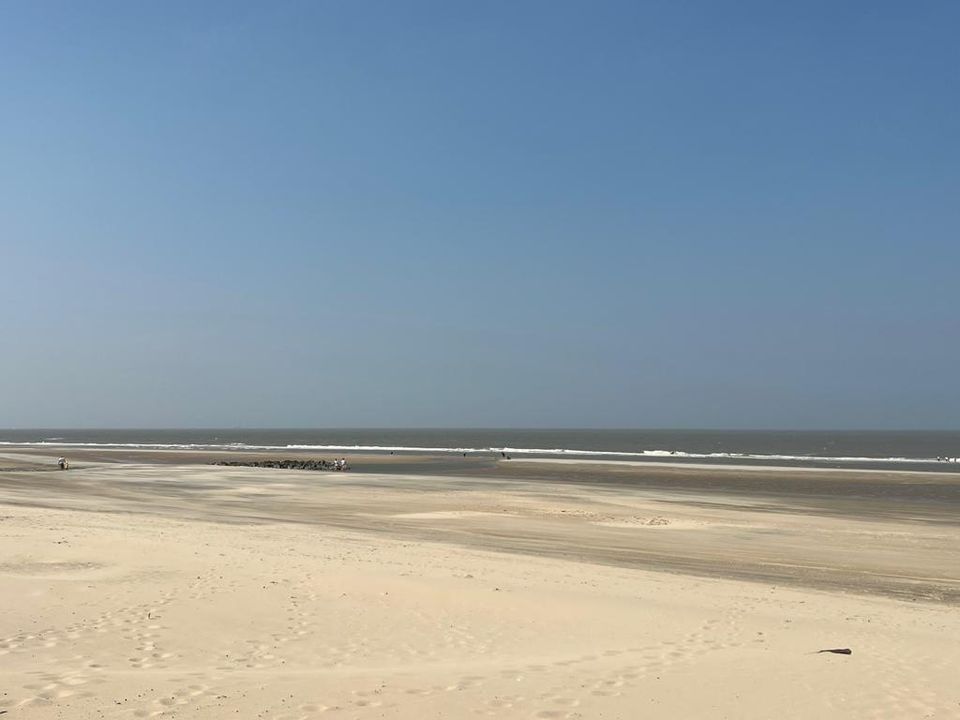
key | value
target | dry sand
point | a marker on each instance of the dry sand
(176, 589)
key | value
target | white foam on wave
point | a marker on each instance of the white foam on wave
(725, 456)
(549, 452)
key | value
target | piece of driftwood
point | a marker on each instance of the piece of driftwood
(837, 651)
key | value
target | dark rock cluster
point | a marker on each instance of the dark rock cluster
(281, 464)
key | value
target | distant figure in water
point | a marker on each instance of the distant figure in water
(62, 463)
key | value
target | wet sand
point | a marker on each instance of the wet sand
(788, 525)
(437, 586)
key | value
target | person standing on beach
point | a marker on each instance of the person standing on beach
(62, 463)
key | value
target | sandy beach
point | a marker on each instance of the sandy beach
(151, 584)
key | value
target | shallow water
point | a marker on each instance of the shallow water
(832, 448)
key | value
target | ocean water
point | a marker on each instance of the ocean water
(846, 448)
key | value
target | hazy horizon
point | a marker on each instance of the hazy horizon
(481, 428)
(536, 215)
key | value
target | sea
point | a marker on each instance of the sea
(924, 450)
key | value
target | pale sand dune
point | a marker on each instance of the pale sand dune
(319, 595)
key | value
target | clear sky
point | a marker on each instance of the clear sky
(587, 214)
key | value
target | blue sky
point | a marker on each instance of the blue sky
(592, 214)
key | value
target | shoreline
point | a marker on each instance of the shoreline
(99, 453)
(720, 460)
